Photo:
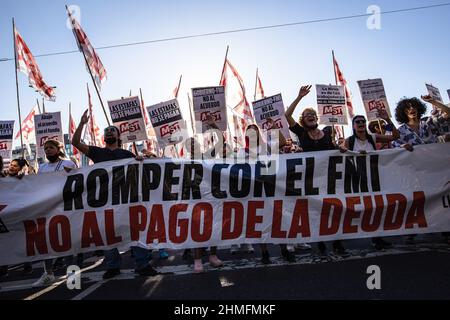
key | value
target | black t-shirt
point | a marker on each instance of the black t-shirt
(97, 154)
(310, 145)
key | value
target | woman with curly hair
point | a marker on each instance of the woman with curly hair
(414, 129)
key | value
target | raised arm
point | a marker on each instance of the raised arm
(381, 138)
(445, 109)
(304, 91)
(76, 139)
(281, 138)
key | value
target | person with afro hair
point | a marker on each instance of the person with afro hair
(414, 129)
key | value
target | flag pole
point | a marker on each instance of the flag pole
(336, 80)
(190, 114)
(70, 115)
(92, 77)
(38, 105)
(256, 84)
(179, 84)
(43, 106)
(224, 63)
(17, 87)
(221, 77)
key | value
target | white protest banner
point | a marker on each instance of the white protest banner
(178, 204)
(273, 108)
(374, 98)
(126, 114)
(434, 92)
(210, 101)
(47, 127)
(331, 104)
(167, 121)
(6, 139)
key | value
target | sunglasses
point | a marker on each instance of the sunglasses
(360, 121)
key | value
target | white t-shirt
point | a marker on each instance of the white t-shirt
(364, 145)
(48, 167)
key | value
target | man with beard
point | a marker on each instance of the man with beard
(312, 139)
(57, 161)
(113, 151)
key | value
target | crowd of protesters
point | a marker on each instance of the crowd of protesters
(415, 129)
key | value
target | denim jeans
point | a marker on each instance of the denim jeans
(142, 258)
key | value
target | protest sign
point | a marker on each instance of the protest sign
(374, 98)
(210, 101)
(6, 139)
(126, 114)
(273, 108)
(167, 121)
(434, 92)
(332, 105)
(47, 127)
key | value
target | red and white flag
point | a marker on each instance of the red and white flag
(27, 64)
(95, 135)
(236, 100)
(259, 91)
(27, 127)
(94, 64)
(341, 81)
(72, 129)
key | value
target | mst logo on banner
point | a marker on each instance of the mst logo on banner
(126, 114)
(177, 204)
(271, 108)
(210, 101)
(332, 105)
(167, 120)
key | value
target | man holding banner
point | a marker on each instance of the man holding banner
(113, 151)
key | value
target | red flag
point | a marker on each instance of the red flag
(259, 91)
(94, 130)
(27, 64)
(27, 127)
(341, 80)
(94, 64)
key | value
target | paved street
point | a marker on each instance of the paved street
(420, 271)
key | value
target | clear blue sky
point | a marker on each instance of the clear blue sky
(410, 49)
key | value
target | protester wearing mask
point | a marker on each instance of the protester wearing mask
(312, 139)
(113, 151)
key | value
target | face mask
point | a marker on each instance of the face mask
(52, 158)
(110, 140)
